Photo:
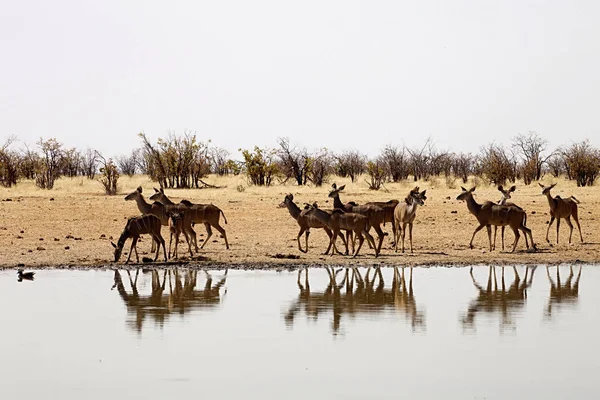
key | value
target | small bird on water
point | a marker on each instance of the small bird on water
(24, 275)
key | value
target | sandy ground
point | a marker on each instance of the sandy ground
(73, 224)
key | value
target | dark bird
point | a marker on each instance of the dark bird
(24, 275)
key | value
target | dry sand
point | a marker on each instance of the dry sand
(73, 224)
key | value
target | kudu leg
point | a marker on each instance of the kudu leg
(208, 235)
(220, 229)
(502, 240)
(410, 226)
(160, 242)
(557, 228)
(578, 227)
(369, 239)
(480, 227)
(517, 236)
(381, 237)
(489, 232)
(403, 235)
(548, 230)
(495, 231)
(187, 239)
(302, 230)
(570, 224)
(131, 249)
(361, 240)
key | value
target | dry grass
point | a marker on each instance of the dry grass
(37, 225)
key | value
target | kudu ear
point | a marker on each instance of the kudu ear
(473, 189)
(315, 205)
(341, 187)
(334, 186)
(291, 196)
(139, 189)
(156, 190)
(513, 188)
(463, 189)
(162, 190)
(423, 193)
(113, 245)
(542, 186)
(552, 186)
(501, 188)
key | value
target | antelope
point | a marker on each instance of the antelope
(375, 214)
(561, 208)
(502, 202)
(488, 214)
(161, 211)
(176, 221)
(306, 222)
(136, 226)
(339, 220)
(207, 214)
(405, 214)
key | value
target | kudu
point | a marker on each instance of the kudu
(161, 210)
(405, 214)
(305, 222)
(489, 214)
(502, 202)
(375, 214)
(136, 226)
(561, 208)
(207, 214)
(338, 220)
(176, 221)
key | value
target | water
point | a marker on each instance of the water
(267, 334)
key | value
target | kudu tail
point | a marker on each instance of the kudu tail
(222, 213)
(576, 201)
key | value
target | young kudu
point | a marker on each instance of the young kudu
(176, 221)
(405, 214)
(502, 202)
(207, 214)
(375, 214)
(338, 220)
(489, 214)
(306, 222)
(561, 208)
(136, 226)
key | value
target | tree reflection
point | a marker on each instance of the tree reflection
(350, 294)
(562, 294)
(504, 301)
(183, 295)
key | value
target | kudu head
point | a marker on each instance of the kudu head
(546, 189)
(118, 250)
(465, 193)
(506, 192)
(289, 198)
(335, 192)
(133, 195)
(175, 218)
(158, 194)
(416, 196)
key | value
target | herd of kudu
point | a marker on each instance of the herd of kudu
(350, 218)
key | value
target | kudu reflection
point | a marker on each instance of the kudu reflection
(562, 293)
(182, 295)
(354, 295)
(493, 300)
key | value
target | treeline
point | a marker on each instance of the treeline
(182, 161)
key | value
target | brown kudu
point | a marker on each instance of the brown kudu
(136, 226)
(502, 202)
(489, 214)
(561, 208)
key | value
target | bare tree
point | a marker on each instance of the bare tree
(497, 164)
(9, 164)
(128, 164)
(531, 148)
(462, 165)
(351, 163)
(377, 173)
(50, 160)
(556, 164)
(321, 167)
(294, 162)
(396, 162)
(419, 160)
(70, 162)
(89, 163)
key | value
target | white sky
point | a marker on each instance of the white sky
(341, 74)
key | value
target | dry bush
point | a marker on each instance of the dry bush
(531, 148)
(396, 162)
(89, 163)
(556, 164)
(48, 169)
(321, 167)
(350, 164)
(497, 165)
(70, 163)
(582, 163)
(294, 162)
(128, 165)
(462, 165)
(9, 164)
(260, 166)
(109, 175)
(377, 174)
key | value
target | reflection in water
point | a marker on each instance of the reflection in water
(492, 300)
(566, 293)
(182, 296)
(355, 295)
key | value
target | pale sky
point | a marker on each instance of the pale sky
(341, 74)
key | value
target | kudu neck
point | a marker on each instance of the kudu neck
(142, 204)
(321, 215)
(293, 209)
(337, 203)
(472, 205)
